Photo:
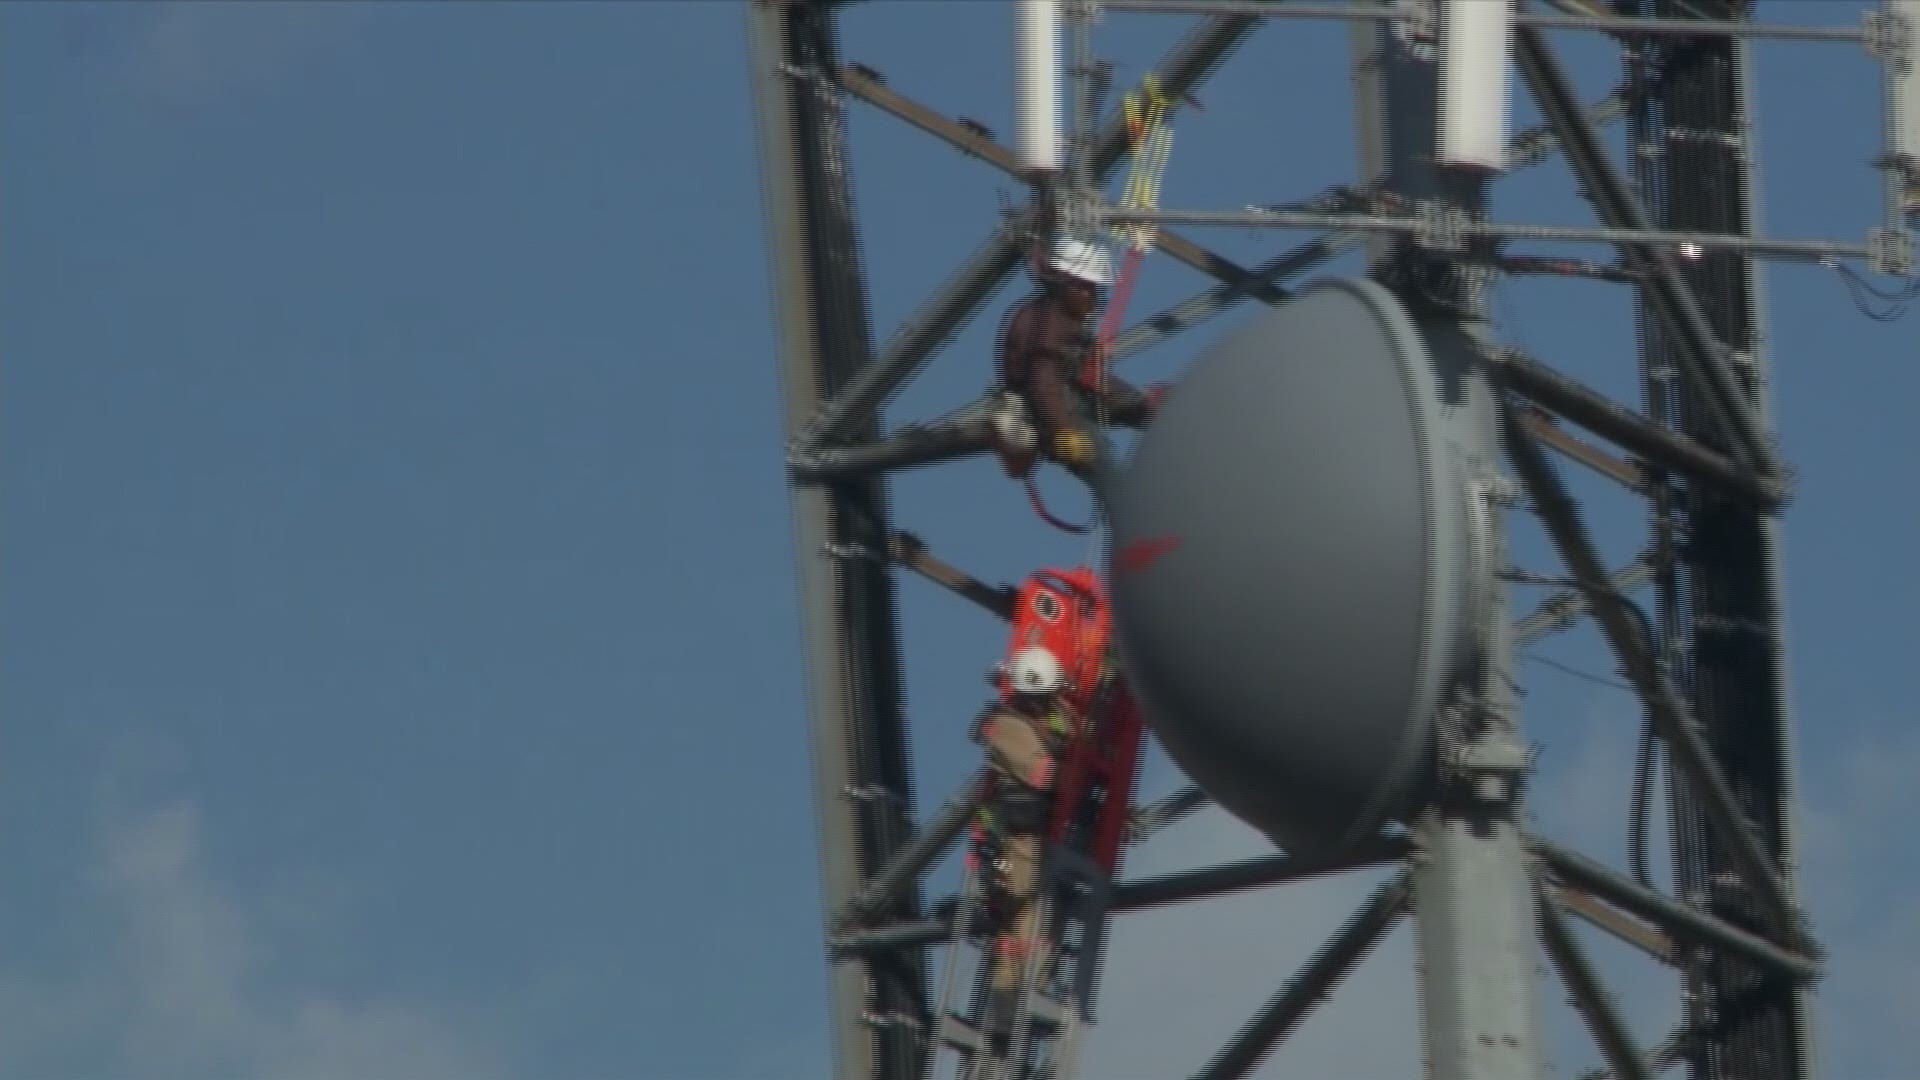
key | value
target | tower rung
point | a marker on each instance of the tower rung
(1044, 1010)
(956, 1032)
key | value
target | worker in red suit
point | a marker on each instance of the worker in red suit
(1046, 364)
(1056, 662)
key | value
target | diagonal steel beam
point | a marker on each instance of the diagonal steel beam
(1191, 312)
(908, 550)
(1537, 144)
(1237, 282)
(1625, 629)
(1603, 416)
(1150, 819)
(1663, 1057)
(1557, 612)
(1705, 356)
(919, 337)
(947, 310)
(1680, 920)
(1589, 996)
(1530, 147)
(1251, 874)
(961, 433)
(919, 853)
(863, 85)
(1222, 269)
(1627, 473)
(1647, 939)
(1331, 964)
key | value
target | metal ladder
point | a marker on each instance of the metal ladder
(1055, 1005)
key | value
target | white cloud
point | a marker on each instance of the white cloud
(180, 980)
(187, 53)
(1862, 884)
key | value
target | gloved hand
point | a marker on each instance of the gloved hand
(1073, 448)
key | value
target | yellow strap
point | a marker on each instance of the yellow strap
(1151, 137)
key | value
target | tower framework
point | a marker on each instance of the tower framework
(1705, 651)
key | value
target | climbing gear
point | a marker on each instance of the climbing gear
(1040, 510)
(1013, 422)
(1150, 139)
(1075, 450)
(1045, 860)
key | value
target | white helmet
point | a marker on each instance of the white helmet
(1035, 671)
(1079, 259)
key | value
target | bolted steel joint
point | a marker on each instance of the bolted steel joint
(873, 793)
(1417, 25)
(1491, 769)
(1442, 227)
(1890, 252)
(1081, 213)
(1089, 10)
(1505, 491)
(853, 552)
(1884, 33)
(1498, 756)
(890, 1020)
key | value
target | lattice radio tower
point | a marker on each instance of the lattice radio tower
(1431, 780)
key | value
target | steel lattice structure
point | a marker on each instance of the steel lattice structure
(1706, 655)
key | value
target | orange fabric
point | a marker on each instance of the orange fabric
(1065, 612)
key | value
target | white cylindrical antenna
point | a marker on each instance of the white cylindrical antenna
(1905, 79)
(1036, 84)
(1474, 40)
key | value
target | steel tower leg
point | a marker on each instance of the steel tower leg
(861, 779)
(1722, 607)
(1473, 900)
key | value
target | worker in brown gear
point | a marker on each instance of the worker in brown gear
(1024, 737)
(1045, 360)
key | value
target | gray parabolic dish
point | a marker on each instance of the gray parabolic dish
(1293, 570)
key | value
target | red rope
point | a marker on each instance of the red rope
(1040, 508)
(1122, 296)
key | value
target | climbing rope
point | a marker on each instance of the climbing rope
(1039, 505)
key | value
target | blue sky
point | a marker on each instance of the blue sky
(401, 660)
